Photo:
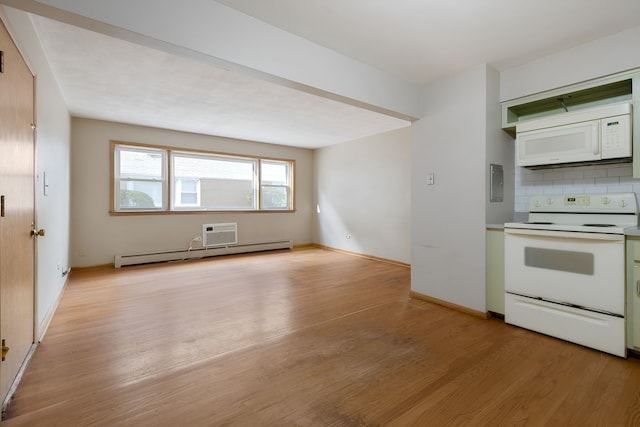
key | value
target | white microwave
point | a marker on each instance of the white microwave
(584, 136)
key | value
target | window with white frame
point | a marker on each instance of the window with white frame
(163, 179)
(275, 185)
(140, 178)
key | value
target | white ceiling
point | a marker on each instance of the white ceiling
(417, 40)
(110, 79)
(423, 40)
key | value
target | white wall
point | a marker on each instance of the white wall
(501, 151)
(99, 237)
(448, 218)
(52, 157)
(363, 190)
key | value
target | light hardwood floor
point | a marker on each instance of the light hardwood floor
(303, 338)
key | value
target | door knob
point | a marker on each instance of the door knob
(37, 233)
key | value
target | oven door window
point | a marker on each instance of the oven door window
(554, 259)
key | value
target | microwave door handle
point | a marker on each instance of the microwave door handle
(595, 144)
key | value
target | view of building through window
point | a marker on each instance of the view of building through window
(218, 183)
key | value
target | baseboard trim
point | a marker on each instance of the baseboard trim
(92, 267)
(44, 326)
(185, 254)
(303, 247)
(447, 304)
(371, 257)
(18, 378)
(494, 315)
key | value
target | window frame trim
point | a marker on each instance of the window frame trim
(168, 209)
(290, 178)
(116, 175)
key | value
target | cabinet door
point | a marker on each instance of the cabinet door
(633, 318)
(633, 298)
(495, 271)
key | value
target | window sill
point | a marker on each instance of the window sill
(192, 212)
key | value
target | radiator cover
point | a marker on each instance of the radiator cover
(184, 254)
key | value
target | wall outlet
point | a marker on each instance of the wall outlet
(348, 236)
(430, 178)
(82, 252)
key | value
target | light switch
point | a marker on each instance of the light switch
(46, 183)
(430, 177)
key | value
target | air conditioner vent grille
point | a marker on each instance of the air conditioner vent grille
(219, 234)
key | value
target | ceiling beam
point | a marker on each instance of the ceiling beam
(214, 33)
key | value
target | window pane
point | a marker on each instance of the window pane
(225, 184)
(189, 186)
(275, 184)
(275, 197)
(189, 199)
(141, 164)
(140, 195)
(187, 166)
(140, 178)
(274, 173)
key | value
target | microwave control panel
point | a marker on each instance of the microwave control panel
(616, 137)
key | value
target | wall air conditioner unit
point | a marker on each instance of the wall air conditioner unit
(219, 234)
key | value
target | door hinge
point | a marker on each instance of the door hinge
(5, 350)
(1, 61)
(1, 206)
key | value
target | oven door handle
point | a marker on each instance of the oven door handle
(565, 234)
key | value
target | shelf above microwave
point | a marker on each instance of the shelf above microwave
(604, 91)
(611, 89)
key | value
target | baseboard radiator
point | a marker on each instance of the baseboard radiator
(184, 254)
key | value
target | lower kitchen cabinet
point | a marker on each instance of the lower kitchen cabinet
(495, 270)
(633, 293)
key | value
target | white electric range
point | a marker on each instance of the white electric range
(565, 268)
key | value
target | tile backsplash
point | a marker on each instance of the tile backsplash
(616, 178)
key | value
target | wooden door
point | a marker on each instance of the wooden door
(17, 215)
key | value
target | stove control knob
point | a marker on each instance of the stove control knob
(549, 201)
(538, 203)
(622, 203)
(605, 200)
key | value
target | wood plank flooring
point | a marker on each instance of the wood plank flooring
(301, 338)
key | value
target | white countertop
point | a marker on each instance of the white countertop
(632, 231)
